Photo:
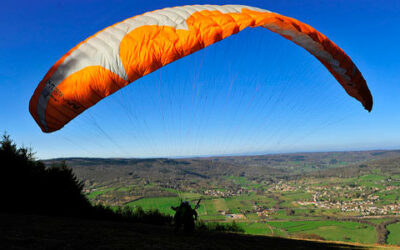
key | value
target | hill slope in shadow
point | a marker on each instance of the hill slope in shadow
(46, 232)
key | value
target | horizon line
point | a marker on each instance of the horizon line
(225, 155)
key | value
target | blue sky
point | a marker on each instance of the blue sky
(252, 93)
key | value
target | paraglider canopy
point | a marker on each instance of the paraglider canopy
(126, 51)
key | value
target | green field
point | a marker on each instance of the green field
(394, 232)
(330, 230)
(163, 204)
(256, 228)
(100, 191)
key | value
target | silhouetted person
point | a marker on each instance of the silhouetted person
(185, 215)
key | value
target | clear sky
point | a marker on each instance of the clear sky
(252, 93)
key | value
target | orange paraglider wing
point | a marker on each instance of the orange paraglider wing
(126, 51)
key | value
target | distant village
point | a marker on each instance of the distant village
(353, 199)
(225, 194)
(346, 198)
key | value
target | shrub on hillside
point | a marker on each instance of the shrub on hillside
(219, 227)
(129, 214)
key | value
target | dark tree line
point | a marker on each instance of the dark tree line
(27, 185)
(382, 230)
